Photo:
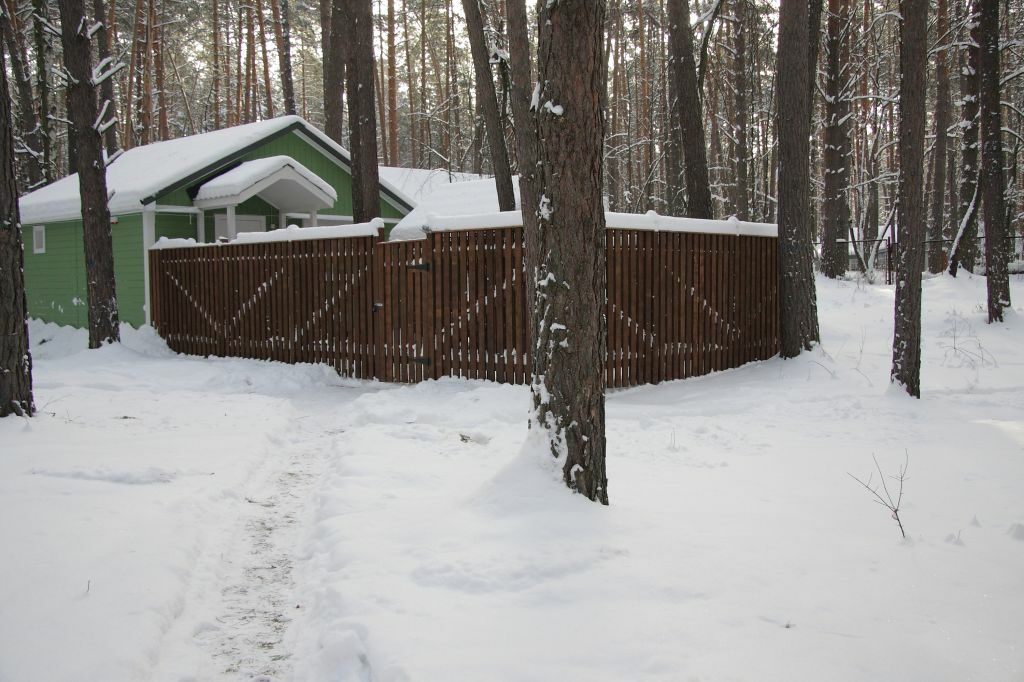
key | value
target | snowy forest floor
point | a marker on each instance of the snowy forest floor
(178, 518)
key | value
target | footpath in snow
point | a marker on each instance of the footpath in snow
(176, 518)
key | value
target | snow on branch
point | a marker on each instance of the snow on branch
(106, 68)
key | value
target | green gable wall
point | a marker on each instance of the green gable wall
(55, 280)
(310, 156)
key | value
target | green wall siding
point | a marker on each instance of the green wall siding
(176, 225)
(55, 280)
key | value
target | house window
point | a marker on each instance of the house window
(39, 239)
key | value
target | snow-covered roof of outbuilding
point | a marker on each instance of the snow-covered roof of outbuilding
(475, 197)
(141, 174)
(418, 183)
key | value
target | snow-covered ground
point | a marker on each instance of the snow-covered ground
(176, 518)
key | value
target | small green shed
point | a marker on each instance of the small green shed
(255, 177)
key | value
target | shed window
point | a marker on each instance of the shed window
(39, 239)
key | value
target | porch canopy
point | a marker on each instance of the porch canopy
(281, 181)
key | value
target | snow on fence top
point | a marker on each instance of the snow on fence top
(650, 221)
(292, 233)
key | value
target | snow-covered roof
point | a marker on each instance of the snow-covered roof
(280, 180)
(141, 173)
(419, 183)
(650, 221)
(474, 205)
(476, 197)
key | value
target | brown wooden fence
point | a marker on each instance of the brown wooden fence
(454, 304)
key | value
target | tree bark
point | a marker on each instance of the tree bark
(15, 357)
(798, 328)
(691, 118)
(107, 86)
(936, 252)
(362, 119)
(283, 38)
(836, 161)
(92, 177)
(992, 180)
(392, 87)
(268, 90)
(965, 246)
(525, 123)
(568, 320)
(163, 126)
(410, 78)
(44, 56)
(335, 59)
(487, 106)
(251, 78)
(740, 105)
(26, 105)
(131, 93)
(146, 111)
(906, 352)
(216, 65)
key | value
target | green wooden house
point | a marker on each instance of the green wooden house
(254, 177)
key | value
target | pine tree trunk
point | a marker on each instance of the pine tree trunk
(965, 245)
(740, 105)
(906, 352)
(216, 65)
(487, 106)
(392, 88)
(92, 180)
(799, 309)
(643, 130)
(334, 73)
(410, 78)
(160, 76)
(15, 357)
(146, 111)
(362, 118)
(836, 161)
(241, 73)
(103, 36)
(691, 118)
(251, 80)
(381, 97)
(133, 90)
(268, 90)
(44, 59)
(283, 39)
(936, 252)
(33, 166)
(525, 123)
(229, 100)
(568, 312)
(992, 181)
